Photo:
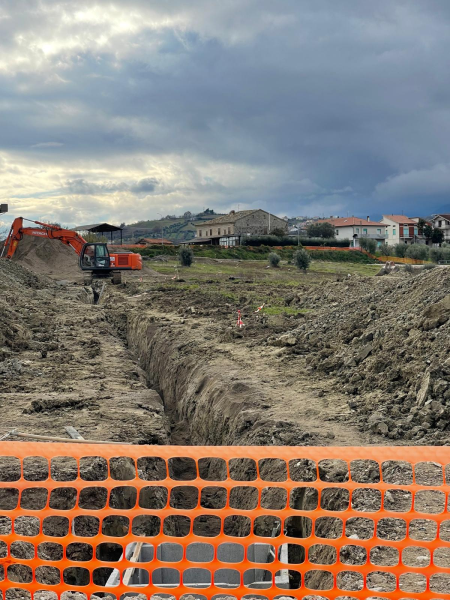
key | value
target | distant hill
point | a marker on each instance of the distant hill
(176, 229)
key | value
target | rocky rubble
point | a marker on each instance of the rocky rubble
(387, 341)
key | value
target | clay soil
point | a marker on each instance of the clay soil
(141, 365)
(160, 359)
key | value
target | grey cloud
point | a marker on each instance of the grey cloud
(349, 96)
(82, 187)
(146, 186)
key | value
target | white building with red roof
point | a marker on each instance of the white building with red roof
(401, 229)
(443, 222)
(354, 228)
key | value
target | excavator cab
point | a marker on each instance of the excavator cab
(95, 257)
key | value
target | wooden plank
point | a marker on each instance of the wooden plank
(6, 435)
(134, 558)
(73, 433)
(33, 436)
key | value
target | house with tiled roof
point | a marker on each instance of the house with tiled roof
(401, 229)
(354, 228)
(443, 222)
(228, 230)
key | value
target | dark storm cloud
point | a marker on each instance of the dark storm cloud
(299, 106)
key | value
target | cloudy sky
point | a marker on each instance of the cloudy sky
(122, 109)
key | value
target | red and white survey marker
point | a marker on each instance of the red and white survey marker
(260, 307)
(239, 320)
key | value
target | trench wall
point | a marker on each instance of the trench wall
(212, 400)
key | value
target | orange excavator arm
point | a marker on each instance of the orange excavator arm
(66, 236)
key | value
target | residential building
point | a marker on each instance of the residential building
(227, 230)
(354, 228)
(443, 222)
(401, 230)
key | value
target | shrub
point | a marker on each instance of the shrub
(302, 259)
(400, 250)
(323, 230)
(386, 250)
(368, 244)
(274, 259)
(418, 251)
(268, 240)
(438, 254)
(333, 242)
(278, 232)
(186, 256)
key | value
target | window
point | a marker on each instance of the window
(357, 230)
(229, 230)
(379, 231)
(439, 223)
(365, 231)
(393, 232)
(416, 231)
(199, 233)
(210, 232)
(386, 232)
(337, 231)
(218, 231)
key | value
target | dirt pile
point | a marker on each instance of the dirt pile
(17, 283)
(388, 345)
(47, 257)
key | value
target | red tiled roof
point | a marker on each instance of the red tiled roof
(349, 222)
(400, 219)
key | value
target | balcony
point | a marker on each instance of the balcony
(372, 236)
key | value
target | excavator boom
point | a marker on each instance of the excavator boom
(66, 236)
(93, 257)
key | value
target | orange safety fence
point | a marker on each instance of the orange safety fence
(224, 521)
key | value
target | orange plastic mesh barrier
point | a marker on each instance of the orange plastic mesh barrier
(224, 521)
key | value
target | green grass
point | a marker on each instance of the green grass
(344, 269)
(256, 270)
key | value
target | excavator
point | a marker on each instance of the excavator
(94, 258)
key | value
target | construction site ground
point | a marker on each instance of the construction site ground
(334, 356)
(160, 358)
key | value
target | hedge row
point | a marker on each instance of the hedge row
(258, 253)
(272, 240)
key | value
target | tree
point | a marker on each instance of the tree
(368, 244)
(302, 259)
(323, 230)
(437, 237)
(278, 232)
(186, 256)
(400, 250)
(274, 259)
(418, 251)
(427, 232)
(421, 225)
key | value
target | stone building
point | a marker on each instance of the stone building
(228, 230)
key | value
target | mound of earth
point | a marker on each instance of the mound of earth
(17, 285)
(47, 257)
(388, 346)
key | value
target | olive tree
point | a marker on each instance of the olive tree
(302, 259)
